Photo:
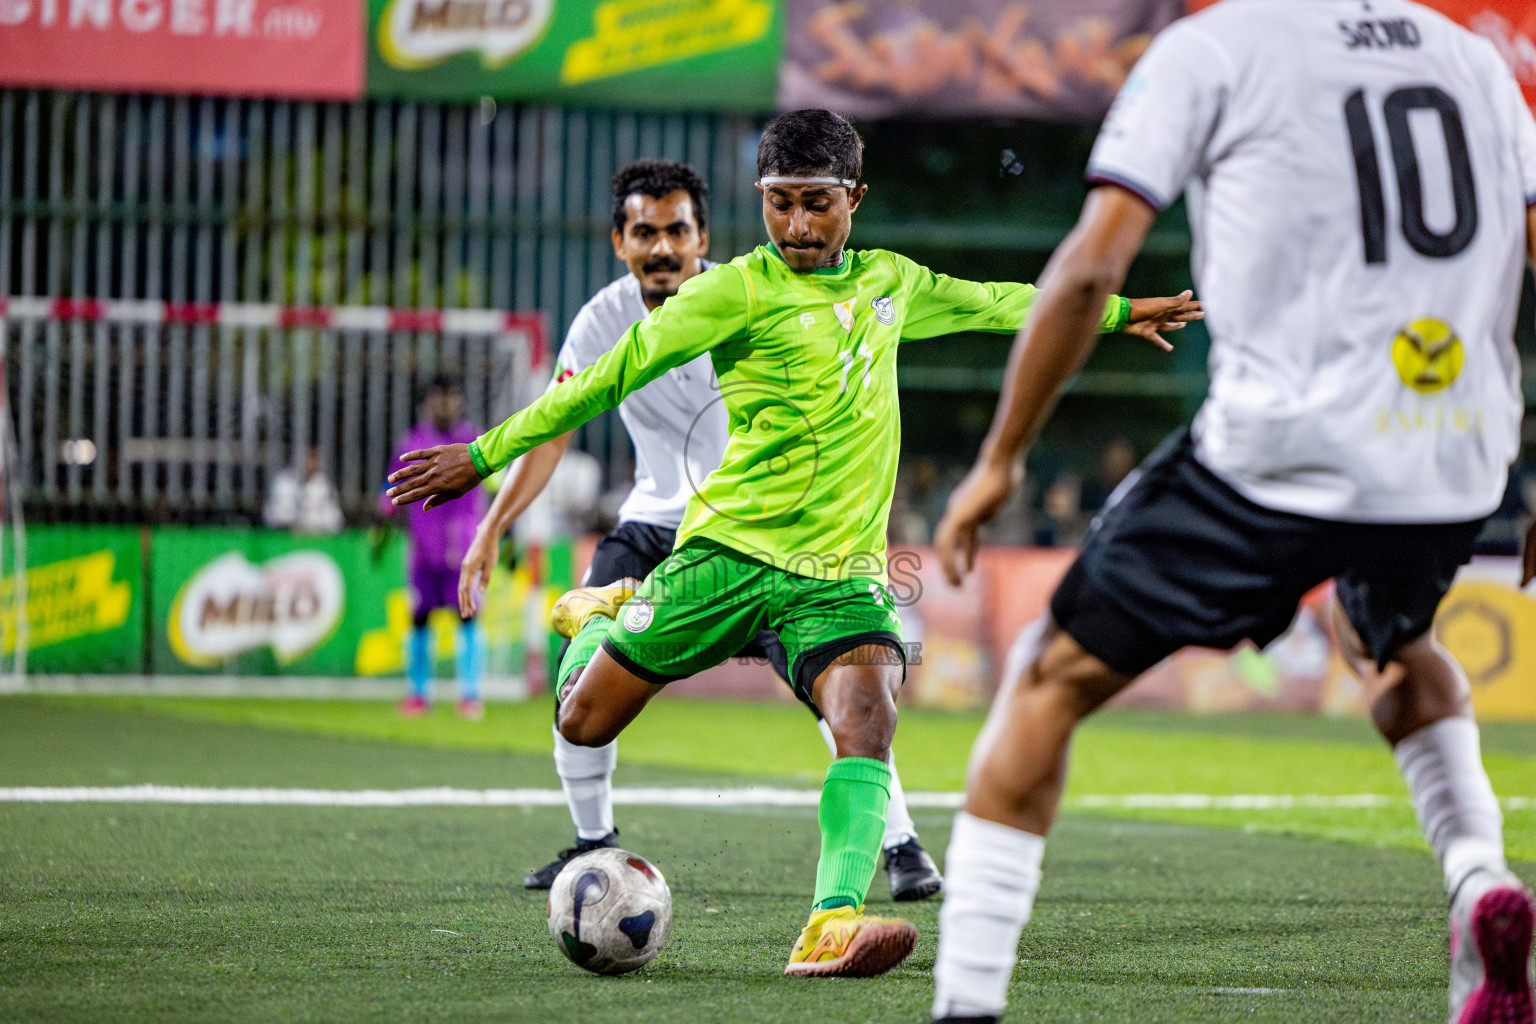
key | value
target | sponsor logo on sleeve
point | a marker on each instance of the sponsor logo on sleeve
(885, 309)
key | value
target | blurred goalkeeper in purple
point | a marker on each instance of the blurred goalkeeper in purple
(439, 538)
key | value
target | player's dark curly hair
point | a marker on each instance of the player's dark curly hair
(811, 143)
(440, 382)
(658, 178)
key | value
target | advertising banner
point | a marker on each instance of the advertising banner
(84, 599)
(290, 49)
(1022, 58)
(966, 58)
(958, 642)
(1510, 25)
(261, 602)
(658, 54)
(1486, 622)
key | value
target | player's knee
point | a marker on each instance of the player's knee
(860, 709)
(1048, 667)
(579, 726)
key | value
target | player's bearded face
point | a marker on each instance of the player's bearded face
(661, 243)
(809, 224)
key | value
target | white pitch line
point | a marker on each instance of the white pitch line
(656, 796)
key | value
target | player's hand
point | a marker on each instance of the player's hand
(1150, 317)
(475, 572)
(1528, 557)
(438, 474)
(978, 498)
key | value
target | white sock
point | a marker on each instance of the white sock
(992, 873)
(826, 734)
(899, 826)
(586, 775)
(1457, 810)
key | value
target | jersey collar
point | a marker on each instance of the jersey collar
(837, 271)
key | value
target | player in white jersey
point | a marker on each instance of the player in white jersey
(1359, 179)
(679, 429)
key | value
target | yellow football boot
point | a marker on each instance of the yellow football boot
(847, 943)
(575, 607)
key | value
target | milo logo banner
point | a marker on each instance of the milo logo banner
(664, 54)
(83, 599)
(257, 602)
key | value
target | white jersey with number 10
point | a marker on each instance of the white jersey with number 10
(1357, 178)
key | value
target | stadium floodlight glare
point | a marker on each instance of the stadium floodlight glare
(78, 452)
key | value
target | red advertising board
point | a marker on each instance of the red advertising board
(296, 49)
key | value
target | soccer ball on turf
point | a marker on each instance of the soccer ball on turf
(610, 911)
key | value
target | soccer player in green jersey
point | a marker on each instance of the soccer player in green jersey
(789, 533)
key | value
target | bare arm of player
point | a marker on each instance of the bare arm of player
(525, 481)
(709, 310)
(1063, 326)
(1528, 556)
(942, 305)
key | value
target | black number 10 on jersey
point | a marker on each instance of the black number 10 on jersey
(1410, 184)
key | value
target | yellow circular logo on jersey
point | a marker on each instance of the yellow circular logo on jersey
(1428, 355)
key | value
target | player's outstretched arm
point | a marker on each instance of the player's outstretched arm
(947, 305)
(709, 310)
(525, 481)
(1062, 327)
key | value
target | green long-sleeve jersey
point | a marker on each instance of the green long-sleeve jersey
(807, 372)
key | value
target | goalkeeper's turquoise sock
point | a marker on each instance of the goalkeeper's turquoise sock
(583, 648)
(854, 798)
(469, 660)
(418, 662)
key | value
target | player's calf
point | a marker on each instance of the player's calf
(1012, 794)
(857, 698)
(1421, 703)
(1018, 767)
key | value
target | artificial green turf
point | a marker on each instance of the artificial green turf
(261, 914)
(1118, 753)
(228, 914)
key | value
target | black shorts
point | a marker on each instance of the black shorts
(635, 550)
(1184, 560)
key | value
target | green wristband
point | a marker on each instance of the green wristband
(1123, 318)
(478, 458)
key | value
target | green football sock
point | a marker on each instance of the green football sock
(583, 646)
(852, 817)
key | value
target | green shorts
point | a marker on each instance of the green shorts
(706, 602)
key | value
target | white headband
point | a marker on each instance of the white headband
(788, 179)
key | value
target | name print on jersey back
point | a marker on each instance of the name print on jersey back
(1380, 34)
(1359, 239)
